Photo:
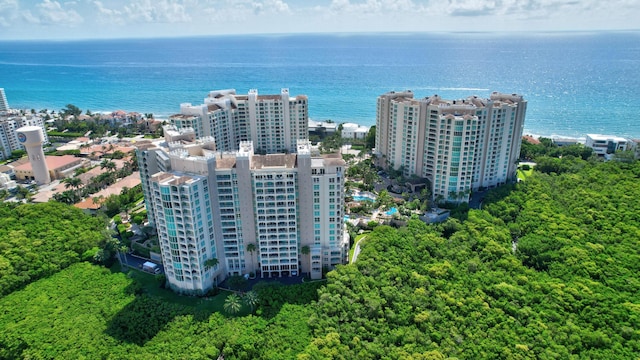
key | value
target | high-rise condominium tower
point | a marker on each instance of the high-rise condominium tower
(4, 105)
(209, 204)
(458, 145)
(9, 123)
(272, 122)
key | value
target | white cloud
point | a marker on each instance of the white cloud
(374, 6)
(112, 15)
(200, 17)
(8, 12)
(525, 9)
(52, 13)
(244, 13)
(163, 11)
(271, 6)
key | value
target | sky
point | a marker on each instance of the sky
(95, 19)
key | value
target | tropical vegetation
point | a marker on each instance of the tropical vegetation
(548, 269)
(38, 240)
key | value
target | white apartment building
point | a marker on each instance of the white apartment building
(354, 131)
(4, 104)
(8, 136)
(458, 145)
(272, 122)
(212, 204)
(604, 145)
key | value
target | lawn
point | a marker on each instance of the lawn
(152, 287)
(524, 174)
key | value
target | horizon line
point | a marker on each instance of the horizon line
(338, 33)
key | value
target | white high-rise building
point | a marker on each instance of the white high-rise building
(458, 145)
(9, 123)
(212, 204)
(272, 122)
(4, 104)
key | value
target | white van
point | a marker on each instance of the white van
(150, 267)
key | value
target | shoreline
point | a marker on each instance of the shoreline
(165, 116)
(557, 137)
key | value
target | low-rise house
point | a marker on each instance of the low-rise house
(59, 167)
(354, 131)
(607, 144)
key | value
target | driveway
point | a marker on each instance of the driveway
(137, 261)
(476, 199)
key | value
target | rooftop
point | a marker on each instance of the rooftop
(227, 162)
(273, 161)
(90, 203)
(606, 137)
(53, 162)
(531, 140)
(115, 189)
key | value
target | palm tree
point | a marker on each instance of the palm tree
(123, 249)
(119, 258)
(108, 164)
(251, 248)
(211, 263)
(438, 199)
(453, 195)
(305, 251)
(97, 200)
(22, 192)
(232, 304)
(251, 299)
(72, 182)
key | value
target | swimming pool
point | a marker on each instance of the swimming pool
(391, 211)
(362, 198)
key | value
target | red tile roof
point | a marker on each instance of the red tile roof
(53, 162)
(531, 140)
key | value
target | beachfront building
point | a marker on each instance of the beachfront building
(354, 131)
(9, 123)
(209, 204)
(272, 122)
(604, 145)
(458, 145)
(4, 104)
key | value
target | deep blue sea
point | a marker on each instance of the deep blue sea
(575, 83)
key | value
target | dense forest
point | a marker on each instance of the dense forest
(548, 269)
(570, 290)
(86, 311)
(38, 240)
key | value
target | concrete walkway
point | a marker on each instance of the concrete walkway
(356, 250)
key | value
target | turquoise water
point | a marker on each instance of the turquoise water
(391, 211)
(362, 198)
(575, 83)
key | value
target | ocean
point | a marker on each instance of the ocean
(575, 83)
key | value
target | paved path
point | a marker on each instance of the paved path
(356, 250)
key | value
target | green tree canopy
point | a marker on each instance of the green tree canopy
(40, 239)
